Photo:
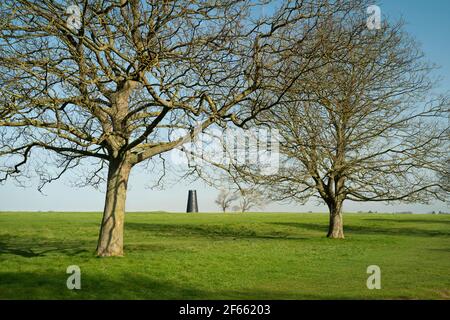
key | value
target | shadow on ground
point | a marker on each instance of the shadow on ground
(219, 231)
(52, 285)
(425, 221)
(29, 247)
(369, 230)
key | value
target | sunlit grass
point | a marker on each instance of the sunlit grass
(226, 256)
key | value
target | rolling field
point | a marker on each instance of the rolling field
(226, 256)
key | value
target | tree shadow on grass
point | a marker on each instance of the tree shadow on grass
(420, 221)
(210, 231)
(447, 250)
(52, 285)
(29, 247)
(369, 230)
(33, 247)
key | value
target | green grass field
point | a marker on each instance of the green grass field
(226, 256)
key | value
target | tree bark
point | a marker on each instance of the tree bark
(336, 225)
(110, 241)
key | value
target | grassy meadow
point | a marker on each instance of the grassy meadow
(226, 256)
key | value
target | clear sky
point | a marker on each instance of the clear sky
(427, 21)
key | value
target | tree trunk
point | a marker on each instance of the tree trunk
(110, 241)
(336, 226)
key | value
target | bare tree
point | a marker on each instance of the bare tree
(250, 198)
(364, 127)
(108, 83)
(225, 198)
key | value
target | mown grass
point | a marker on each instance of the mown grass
(226, 256)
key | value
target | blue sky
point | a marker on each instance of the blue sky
(427, 21)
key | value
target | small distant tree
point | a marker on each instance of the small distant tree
(225, 199)
(250, 198)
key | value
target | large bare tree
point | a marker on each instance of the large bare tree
(107, 81)
(366, 126)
